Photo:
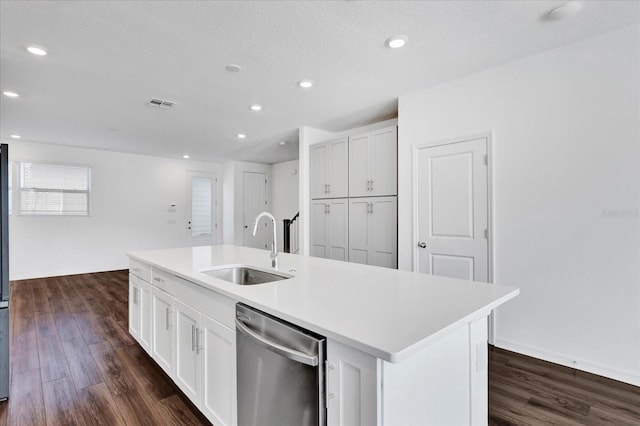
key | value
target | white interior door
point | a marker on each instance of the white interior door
(452, 210)
(201, 214)
(254, 196)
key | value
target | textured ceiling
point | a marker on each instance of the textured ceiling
(108, 58)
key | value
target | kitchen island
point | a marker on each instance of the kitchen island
(402, 348)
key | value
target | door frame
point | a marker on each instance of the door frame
(217, 212)
(488, 136)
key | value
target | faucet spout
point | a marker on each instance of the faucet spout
(274, 243)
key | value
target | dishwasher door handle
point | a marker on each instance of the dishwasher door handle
(289, 353)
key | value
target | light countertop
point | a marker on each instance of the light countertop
(387, 313)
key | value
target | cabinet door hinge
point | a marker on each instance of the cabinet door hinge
(486, 233)
(486, 160)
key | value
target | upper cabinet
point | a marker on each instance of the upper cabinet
(328, 163)
(373, 163)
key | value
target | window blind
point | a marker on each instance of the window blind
(201, 212)
(54, 189)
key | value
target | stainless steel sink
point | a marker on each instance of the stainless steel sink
(245, 275)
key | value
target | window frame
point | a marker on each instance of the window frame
(18, 188)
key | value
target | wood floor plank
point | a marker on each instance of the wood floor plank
(61, 404)
(100, 406)
(180, 414)
(53, 362)
(26, 406)
(115, 375)
(4, 411)
(82, 366)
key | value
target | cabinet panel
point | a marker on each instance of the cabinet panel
(383, 232)
(359, 165)
(337, 169)
(328, 169)
(352, 386)
(218, 372)
(383, 169)
(318, 170)
(359, 230)
(338, 229)
(186, 356)
(162, 330)
(329, 228)
(134, 307)
(318, 229)
(373, 231)
(144, 336)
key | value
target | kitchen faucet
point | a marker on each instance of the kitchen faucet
(274, 244)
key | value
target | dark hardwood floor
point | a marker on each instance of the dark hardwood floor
(73, 362)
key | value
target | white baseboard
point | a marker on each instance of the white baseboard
(625, 376)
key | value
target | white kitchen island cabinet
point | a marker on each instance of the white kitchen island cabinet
(140, 311)
(402, 348)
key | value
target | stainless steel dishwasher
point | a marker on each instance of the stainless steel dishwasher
(280, 372)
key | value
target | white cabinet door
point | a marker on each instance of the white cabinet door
(359, 165)
(338, 229)
(186, 350)
(373, 231)
(162, 329)
(337, 168)
(373, 163)
(383, 232)
(218, 362)
(352, 386)
(318, 171)
(359, 230)
(328, 169)
(329, 228)
(319, 232)
(144, 337)
(134, 307)
(383, 162)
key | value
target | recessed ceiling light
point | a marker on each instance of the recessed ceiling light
(233, 68)
(241, 135)
(256, 107)
(305, 84)
(10, 94)
(563, 12)
(186, 156)
(36, 50)
(283, 143)
(14, 136)
(396, 41)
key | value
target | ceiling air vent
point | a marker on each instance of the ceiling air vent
(161, 103)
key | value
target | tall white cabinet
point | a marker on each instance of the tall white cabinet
(329, 228)
(373, 163)
(354, 187)
(328, 169)
(373, 231)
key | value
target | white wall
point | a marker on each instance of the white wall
(130, 197)
(284, 194)
(565, 127)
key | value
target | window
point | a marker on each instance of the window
(53, 189)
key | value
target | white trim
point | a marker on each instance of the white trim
(488, 136)
(625, 376)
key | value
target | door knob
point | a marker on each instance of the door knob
(422, 244)
(246, 226)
